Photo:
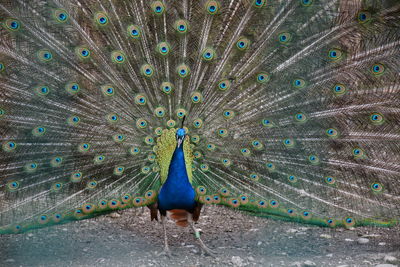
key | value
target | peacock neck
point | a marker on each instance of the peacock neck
(177, 192)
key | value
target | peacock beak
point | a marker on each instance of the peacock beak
(180, 141)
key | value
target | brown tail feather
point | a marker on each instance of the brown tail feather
(179, 216)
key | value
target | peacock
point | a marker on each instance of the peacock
(286, 109)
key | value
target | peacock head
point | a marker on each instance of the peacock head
(180, 136)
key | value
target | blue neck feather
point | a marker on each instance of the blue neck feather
(177, 192)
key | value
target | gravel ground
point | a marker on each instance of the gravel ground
(131, 239)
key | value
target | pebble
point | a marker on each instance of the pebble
(385, 265)
(309, 263)
(295, 264)
(390, 259)
(343, 265)
(114, 215)
(348, 240)
(362, 240)
(237, 261)
(9, 260)
(382, 244)
(250, 258)
(325, 236)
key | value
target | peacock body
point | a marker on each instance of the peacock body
(291, 107)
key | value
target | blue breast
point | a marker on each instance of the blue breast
(177, 192)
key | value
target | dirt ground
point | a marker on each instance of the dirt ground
(131, 239)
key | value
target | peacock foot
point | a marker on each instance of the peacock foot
(165, 252)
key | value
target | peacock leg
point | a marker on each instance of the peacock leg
(197, 233)
(166, 250)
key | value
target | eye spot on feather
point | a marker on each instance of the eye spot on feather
(208, 54)
(180, 113)
(183, 71)
(263, 77)
(306, 3)
(339, 89)
(267, 123)
(306, 215)
(242, 44)
(118, 138)
(300, 117)
(44, 55)
(72, 88)
(224, 85)
(222, 132)
(101, 19)
(257, 145)
(243, 199)
(141, 123)
(140, 99)
(181, 26)
(376, 187)
(195, 139)
(197, 97)
(56, 162)
(163, 48)
(332, 132)
(149, 140)
(9, 146)
(364, 17)
(274, 203)
(298, 83)
(83, 147)
(376, 118)
(57, 217)
(39, 131)
(99, 159)
(119, 170)
(262, 204)
(134, 32)
(331, 222)
(60, 15)
(259, 3)
(226, 162)
(76, 177)
(158, 8)
(228, 114)
(12, 186)
(204, 167)
(330, 180)
(377, 69)
(82, 52)
(42, 90)
(292, 179)
(159, 112)
(335, 54)
(113, 203)
(212, 7)
(31, 167)
(358, 153)
(313, 159)
(349, 222)
(270, 166)
(147, 70)
(284, 37)
(167, 88)
(2, 67)
(254, 177)
(288, 142)
(118, 57)
(245, 152)
(171, 123)
(91, 184)
(12, 24)
(43, 219)
(198, 123)
(211, 147)
(134, 150)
